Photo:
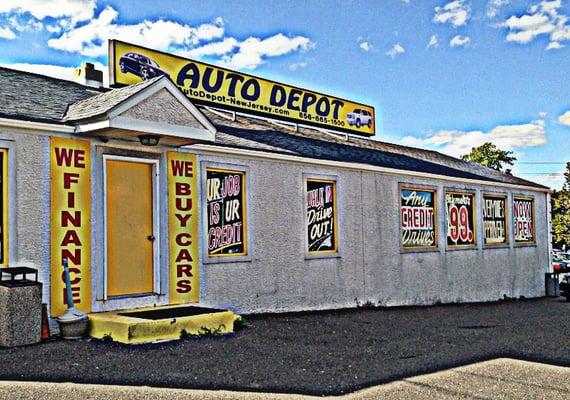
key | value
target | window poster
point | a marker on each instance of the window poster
(321, 216)
(418, 218)
(460, 217)
(226, 212)
(523, 219)
(495, 220)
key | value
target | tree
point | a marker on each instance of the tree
(560, 206)
(490, 156)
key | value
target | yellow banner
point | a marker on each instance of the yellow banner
(211, 85)
(183, 227)
(70, 222)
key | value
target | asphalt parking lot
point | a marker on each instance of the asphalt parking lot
(323, 353)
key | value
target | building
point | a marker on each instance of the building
(240, 212)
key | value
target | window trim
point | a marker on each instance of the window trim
(5, 209)
(325, 253)
(422, 188)
(475, 227)
(507, 241)
(533, 203)
(232, 168)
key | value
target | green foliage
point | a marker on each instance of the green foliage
(107, 338)
(204, 331)
(560, 206)
(490, 156)
(240, 323)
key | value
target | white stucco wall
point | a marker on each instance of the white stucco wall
(370, 266)
(278, 276)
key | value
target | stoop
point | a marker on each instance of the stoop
(152, 324)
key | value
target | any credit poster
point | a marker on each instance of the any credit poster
(226, 212)
(70, 222)
(495, 220)
(183, 227)
(220, 87)
(417, 218)
(460, 217)
(321, 216)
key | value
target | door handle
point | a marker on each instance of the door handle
(151, 238)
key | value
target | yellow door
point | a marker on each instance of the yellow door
(129, 228)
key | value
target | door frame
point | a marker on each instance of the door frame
(155, 221)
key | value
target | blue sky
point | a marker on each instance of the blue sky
(445, 75)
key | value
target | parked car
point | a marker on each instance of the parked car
(359, 117)
(140, 65)
(560, 264)
(565, 286)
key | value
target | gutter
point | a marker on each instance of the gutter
(37, 126)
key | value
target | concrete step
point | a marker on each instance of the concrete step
(152, 324)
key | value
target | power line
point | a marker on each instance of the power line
(539, 162)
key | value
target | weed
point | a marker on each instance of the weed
(107, 338)
(240, 323)
(204, 331)
(368, 305)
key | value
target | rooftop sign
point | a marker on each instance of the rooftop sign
(220, 87)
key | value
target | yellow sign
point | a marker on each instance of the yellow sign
(70, 223)
(183, 228)
(219, 87)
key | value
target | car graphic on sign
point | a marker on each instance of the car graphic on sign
(359, 117)
(140, 65)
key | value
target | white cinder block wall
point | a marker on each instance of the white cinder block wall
(278, 276)
(370, 265)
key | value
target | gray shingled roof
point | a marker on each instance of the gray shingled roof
(33, 97)
(104, 102)
(253, 133)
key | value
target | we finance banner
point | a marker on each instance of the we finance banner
(219, 87)
(70, 222)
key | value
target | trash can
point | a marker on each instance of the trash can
(552, 284)
(20, 306)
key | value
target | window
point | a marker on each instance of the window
(226, 212)
(460, 217)
(523, 219)
(4, 207)
(495, 228)
(418, 218)
(321, 222)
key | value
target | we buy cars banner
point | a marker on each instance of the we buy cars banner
(223, 88)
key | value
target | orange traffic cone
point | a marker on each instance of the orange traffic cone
(45, 323)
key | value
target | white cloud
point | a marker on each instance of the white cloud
(212, 49)
(56, 71)
(90, 39)
(22, 25)
(190, 41)
(395, 50)
(505, 137)
(542, 114)
(6, 33)
(366, 46)
(564, 119)
(554, 46)
(494, 6)
(71, 10)
(432, 42)
(455, 12)
(253, 51)
(459, 41)
(542, 19)
(296, 66)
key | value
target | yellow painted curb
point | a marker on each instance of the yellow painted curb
(131, 330)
